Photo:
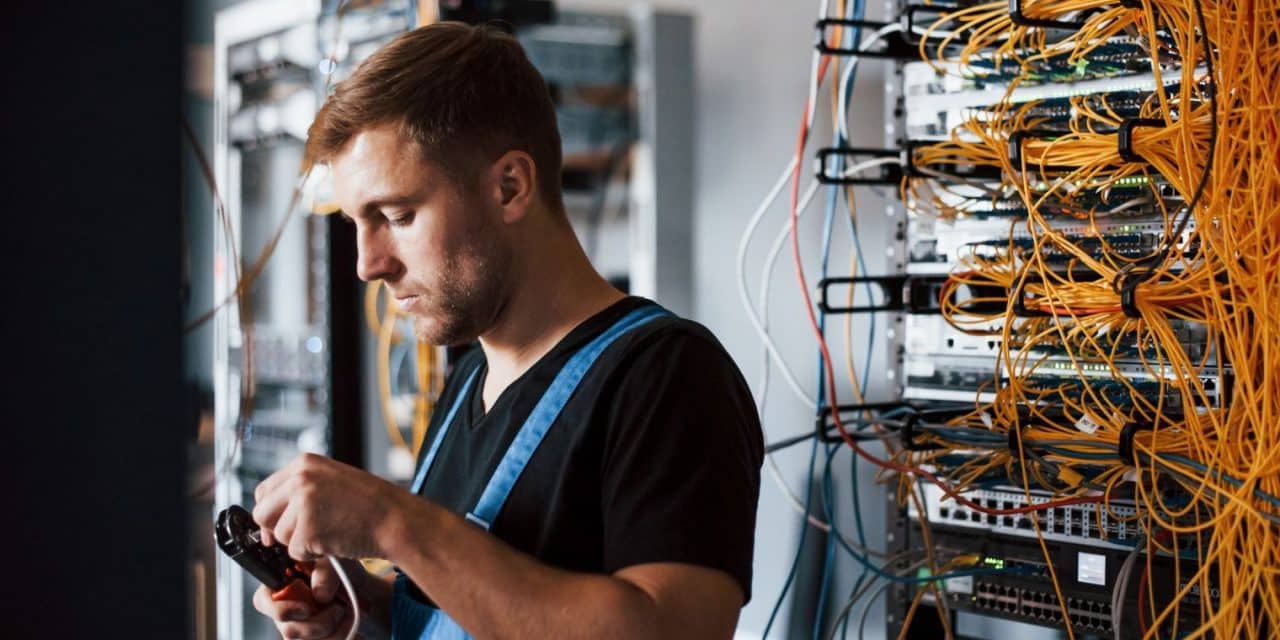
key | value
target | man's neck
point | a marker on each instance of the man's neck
(554, 290)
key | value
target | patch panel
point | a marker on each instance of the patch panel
(1020, 587)
(942, 246)
(1088, 614)
(1076, 524)
(937, 104)
(969, 379)
(933, 335)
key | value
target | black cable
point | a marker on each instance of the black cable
(794, 440)
(1129, 278)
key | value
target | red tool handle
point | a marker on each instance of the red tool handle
(299, 588)
(299, 591)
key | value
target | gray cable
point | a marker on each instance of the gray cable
(1117, 594)
(862, 622)
(857, 595)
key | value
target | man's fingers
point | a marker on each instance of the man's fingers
(286, 526)
(270, 504)
(298, 545)
(324, 624)
(280, 610)
(269, 483)
(324, 581)
(262, 600)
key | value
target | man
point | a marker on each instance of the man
(594, 468)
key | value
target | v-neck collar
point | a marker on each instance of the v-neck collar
(580, 334)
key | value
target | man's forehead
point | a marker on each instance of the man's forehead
(378, 163)
(380, 146)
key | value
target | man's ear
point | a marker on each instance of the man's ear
(516, 179)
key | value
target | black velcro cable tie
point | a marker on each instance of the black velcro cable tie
(908, 434)
(1124, 444)
(1129, 301)
(1128, 290)
(1015, 443)
(1018, 17)
(1124, 138)
(1015, 146)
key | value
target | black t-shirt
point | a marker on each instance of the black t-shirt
(655, 458)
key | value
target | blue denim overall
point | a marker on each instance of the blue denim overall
(413, 620)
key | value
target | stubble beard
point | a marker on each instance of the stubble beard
(469, 295)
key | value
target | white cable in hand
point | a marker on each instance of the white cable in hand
(351, 595)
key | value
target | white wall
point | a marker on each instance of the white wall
(752, 62)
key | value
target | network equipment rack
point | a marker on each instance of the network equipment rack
(1027, 240)
(286, 276)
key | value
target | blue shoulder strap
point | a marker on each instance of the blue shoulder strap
(463, 394)
(544, 414)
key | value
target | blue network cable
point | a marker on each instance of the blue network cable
(804, 529)
(830, 551)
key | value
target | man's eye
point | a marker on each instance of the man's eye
(401, 220)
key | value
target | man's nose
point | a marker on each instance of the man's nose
(376, 260)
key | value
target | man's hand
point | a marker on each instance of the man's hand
(317, 507)
(332, 619)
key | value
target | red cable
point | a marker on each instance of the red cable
(801, 141)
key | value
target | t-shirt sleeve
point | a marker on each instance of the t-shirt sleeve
(681, 468)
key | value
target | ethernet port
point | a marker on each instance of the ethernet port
(1008, 521)
(975, 516)
(944, 512)
(1026, 610)
(1024, 523)
(991, 519)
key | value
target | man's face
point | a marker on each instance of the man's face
(439, 246)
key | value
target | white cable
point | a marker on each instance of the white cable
(761, 331)
(351, 595)
(779, 242)
(774, 252)
(759, 321)
(744, 242)
(924, 31)
(842, 105)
